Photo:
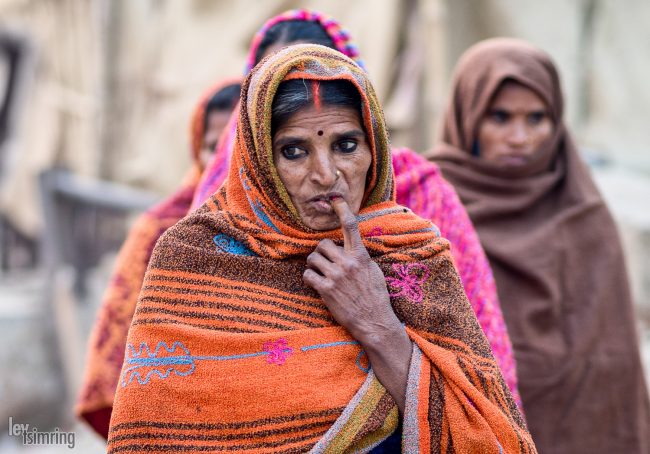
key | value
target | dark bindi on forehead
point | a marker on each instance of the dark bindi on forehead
(320, 132)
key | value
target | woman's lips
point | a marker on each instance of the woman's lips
(514, 160)
(322, 206)
(323, 203)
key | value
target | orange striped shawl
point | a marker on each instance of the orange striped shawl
(230, 350)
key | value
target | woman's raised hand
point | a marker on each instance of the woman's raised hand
(350, 283)
(354, 290)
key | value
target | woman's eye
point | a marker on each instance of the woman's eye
(293, 152)
(536, 118)
(347, 146)
(499, 116)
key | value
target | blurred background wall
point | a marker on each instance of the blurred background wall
(103, 89)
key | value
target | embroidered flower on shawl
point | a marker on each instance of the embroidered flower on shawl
(408, 284)
(230, 245)
(376, 231)
(278, 351)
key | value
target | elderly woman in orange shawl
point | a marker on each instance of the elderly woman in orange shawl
(276, 317)
(106, 344)
(554, 249)
(419, 184)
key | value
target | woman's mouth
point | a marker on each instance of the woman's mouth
(322, 203)
(514, 160)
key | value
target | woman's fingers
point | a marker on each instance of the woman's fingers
(351, 236)
(321, 264)
(328, 249)
(319, 283)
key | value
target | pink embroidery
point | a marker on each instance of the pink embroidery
(278, 351)
(411, 277)
(376, 231)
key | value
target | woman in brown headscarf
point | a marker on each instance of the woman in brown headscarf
(554, 250)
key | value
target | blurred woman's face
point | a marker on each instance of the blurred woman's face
(515, 126)
(320, 155)
(215, 124)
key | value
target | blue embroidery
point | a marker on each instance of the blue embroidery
(137, 360)
(257, 207)
(366, 217)
(338, 344)
(369, 216)
(361, 354)
(230, 245)
(434, 228)
(332, 344)
(244, 180)
(260, 213)
(142, 364)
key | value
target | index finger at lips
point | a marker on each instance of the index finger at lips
(349, 225)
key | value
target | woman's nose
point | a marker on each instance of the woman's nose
(323, 168)
(518, 134)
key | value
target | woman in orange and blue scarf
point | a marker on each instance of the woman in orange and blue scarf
(277, 317)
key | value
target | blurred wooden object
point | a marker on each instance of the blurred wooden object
(420, 75)
(69, 337)
(84, 219)
(16, 69)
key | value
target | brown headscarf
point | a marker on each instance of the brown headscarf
(557, 261)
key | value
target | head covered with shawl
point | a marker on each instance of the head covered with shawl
(340, 38)
(108, 338)
(481, 71)
(230, 350)
(556, 258)
(281, 30)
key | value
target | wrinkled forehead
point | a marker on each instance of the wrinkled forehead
(281, 67)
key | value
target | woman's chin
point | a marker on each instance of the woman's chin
(321, 221)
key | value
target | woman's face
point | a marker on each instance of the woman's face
(322, 154)
(215, 124)
(515, 126)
